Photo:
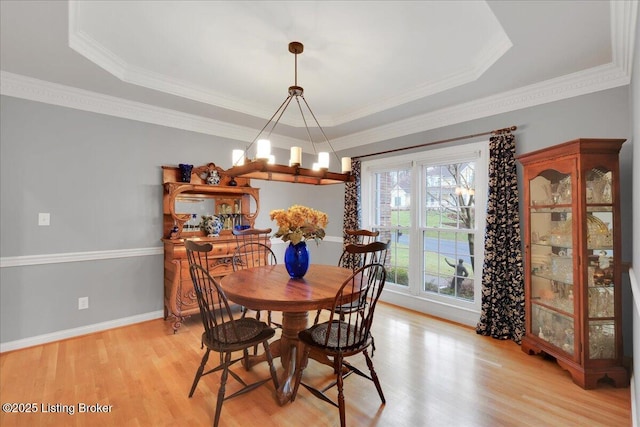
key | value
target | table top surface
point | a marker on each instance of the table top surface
(270, 287)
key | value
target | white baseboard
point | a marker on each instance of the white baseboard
(75, 332)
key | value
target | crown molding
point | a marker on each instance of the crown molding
(581, 83)
(93, 50)
(608, 76)
(584, 82)
(32, 89)
(617, 73)
(485, 59)
(65, 96)
(624, 15)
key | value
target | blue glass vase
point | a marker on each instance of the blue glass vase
(296, 259)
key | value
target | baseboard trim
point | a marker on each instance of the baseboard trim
(76, 332)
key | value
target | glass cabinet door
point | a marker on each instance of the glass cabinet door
(600, 268)
(552, 281)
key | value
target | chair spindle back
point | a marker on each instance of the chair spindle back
(252, 249)
(350, 330)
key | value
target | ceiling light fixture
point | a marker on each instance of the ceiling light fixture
(264, 166)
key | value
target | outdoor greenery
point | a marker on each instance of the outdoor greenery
(434, 262)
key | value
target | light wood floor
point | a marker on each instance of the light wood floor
(433, 373)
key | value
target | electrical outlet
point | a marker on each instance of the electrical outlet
(44, 219)
(83, 303)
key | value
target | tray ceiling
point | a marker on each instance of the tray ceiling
(369, 67)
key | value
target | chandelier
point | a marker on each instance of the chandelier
(263, 166)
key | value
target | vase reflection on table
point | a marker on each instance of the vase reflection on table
(296, 259)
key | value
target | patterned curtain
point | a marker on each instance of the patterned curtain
(502, 313)
(352, 212)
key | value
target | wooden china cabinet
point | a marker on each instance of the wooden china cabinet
(573, 266)
(184, 204)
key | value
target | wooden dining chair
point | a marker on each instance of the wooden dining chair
(361, 236)
(253, 250)
(224, 334)
(356, 237)
(249, 252)
(358, 255)
(343, 336)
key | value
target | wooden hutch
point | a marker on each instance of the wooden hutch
(573, 258)
(184, 204)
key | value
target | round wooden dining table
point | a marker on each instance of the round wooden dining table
(270, 288)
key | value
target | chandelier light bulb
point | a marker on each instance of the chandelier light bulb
(296, 156)
(323, 160)
(346, 164)
(263, 165)
(264, 149)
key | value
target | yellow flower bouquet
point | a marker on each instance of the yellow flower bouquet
(299, 223)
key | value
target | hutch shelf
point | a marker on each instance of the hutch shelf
(573, 265)
(185, 204)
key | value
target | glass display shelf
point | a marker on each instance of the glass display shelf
(553, 327)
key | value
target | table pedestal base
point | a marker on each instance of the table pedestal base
(289, 349)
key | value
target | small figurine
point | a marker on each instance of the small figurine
(174, 232)
(603, 260)
(213, 178)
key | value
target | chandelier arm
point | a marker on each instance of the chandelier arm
(288, 98)
(306, 126)
(281, 110)
(320, 127)
(292, 173)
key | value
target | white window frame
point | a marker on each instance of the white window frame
(413, 296)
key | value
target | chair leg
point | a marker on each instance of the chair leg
(272, 367)
(299, 370)
(222, 389)
(245, 354)
(374, 376)
(199, 372)
(341, 404)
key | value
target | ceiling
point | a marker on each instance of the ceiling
(371, 70)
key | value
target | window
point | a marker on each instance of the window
(431, 206)
(393, 220)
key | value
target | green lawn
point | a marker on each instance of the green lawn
(434, 262)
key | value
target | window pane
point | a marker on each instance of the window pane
(393, 220)
(448, 237)
(398, 267)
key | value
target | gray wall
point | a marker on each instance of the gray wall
(603, 114)
(635, 297)
(99, 178)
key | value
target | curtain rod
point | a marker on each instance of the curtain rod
(493, 132)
